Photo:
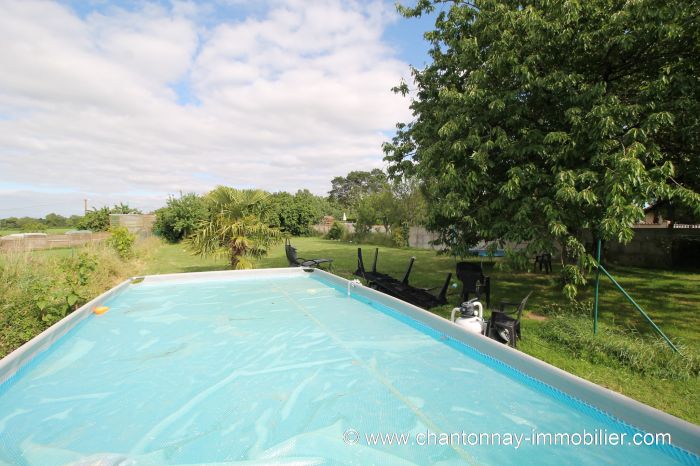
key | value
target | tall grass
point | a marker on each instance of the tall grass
(618, 347)
(39, 288)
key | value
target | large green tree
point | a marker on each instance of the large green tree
(347, 191)
(295, 214)
(539, 120)
(235, 226)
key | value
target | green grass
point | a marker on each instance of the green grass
(173, 258)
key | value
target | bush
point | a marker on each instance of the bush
(95, 220)
(33, 227)
(398, 239)
(122, 241)
(336, 231)
(180, 217)
(37, 290)
(613, 346)
(296, 214)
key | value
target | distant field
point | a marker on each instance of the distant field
(49, 231)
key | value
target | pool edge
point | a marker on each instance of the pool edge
(22, 355)
(684, 434)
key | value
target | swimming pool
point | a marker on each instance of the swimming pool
(283, 367)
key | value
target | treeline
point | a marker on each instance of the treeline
(367, 198)
(371, 198)
(294, 214)
(95, 219)
(39, 224)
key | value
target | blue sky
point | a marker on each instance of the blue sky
(132, 101)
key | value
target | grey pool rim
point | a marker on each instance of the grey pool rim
(684, 434)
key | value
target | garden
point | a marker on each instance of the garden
(514, 141)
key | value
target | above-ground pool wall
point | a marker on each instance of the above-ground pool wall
(634, 413)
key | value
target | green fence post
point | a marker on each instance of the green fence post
(638, 307)
(597, 284)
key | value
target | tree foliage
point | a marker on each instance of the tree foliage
(348, 190)
(399, 204)
(33, 227)
(180, 217)
(95, 220)
(29, 223)
(236, 226)
(295, 214)
(539, 120)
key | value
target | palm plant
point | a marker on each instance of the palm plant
(235, 226)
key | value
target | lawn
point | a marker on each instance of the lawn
(671, 298)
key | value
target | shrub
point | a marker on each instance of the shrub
(38, 289)
(336, 231)
(296, 214)
(95, 220)
(398, 239)
(33, 227)
(180, 217)
(615, 346)
(122, 241)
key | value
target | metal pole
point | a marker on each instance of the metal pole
(597, 285)
(641, 311)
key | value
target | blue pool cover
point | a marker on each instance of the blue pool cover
(283, 370)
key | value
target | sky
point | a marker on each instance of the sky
(133, 101)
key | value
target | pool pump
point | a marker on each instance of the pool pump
(470, 316)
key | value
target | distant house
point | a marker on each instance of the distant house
(654, 216)
(661, 215)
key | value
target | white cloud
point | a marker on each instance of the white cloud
(283, 100)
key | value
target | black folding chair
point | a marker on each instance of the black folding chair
(387, 284)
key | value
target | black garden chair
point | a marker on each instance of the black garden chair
(544, 261)
(504, 325)
(387, 284)
(471, 274)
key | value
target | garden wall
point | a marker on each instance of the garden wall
(657, 248)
